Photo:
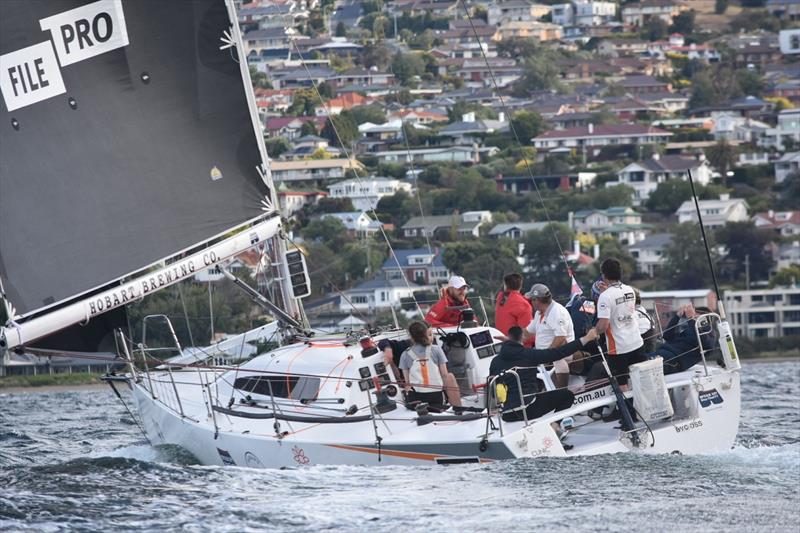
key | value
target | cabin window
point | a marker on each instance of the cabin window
(296, 388)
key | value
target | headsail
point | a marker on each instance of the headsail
(149, 150)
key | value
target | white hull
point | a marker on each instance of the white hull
(231, 440)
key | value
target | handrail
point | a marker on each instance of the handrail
(701, 334)
(490, 385)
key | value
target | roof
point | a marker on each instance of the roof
(277, 123)
(776, 219)
(789, 157)
(656, 241)
(640, 81)
(688, 205)
(314, 164)
(404, 255)
(524, 227)
(268, 33)
(670, 163)
(604, 130)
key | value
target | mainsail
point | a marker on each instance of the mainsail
(126, 137)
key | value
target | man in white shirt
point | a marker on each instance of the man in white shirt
(616, 313)
(552, 327)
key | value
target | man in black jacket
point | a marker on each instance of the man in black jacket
(514, 354)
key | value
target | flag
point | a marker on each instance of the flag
(575, 290)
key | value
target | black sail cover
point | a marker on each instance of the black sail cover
(125, 137)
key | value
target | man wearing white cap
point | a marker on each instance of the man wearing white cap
(447, 311)
(552, 327)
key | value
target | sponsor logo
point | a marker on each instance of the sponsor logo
(225, 455)
(87, 31)
(299, 456)
(689, 426)
(33, 74)
(30, 75)
(708, 397)
(252, 461)
(591, 395)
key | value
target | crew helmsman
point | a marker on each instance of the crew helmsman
(447, 311)
(616, 314)
(552, 327)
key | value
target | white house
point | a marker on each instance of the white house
(592, 138)
(515, 230)
(788, 164)
(379, 293)
(500, 12)
(640, 13)
(465, 225)
(357, 223)
(789, 41)
(644, 176)
(716, 213)
(784, 223)
(449, 154)
(730, 127)
(622, 223)
(312, 170)
(366, 193)
(649, 252)
(584, 13)
(788, 128)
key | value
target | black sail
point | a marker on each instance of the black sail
(149, 150)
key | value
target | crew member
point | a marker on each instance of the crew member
(616, 317)
(552, 327)
(447, 311)
(424, 367)
(513, 354)
(511, 308)
(392, 350)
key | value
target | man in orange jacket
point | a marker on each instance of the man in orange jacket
(447, 311)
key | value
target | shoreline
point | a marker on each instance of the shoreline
(94, 386)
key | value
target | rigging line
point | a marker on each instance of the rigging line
(516, 136)
(410, 160)
(355, 171)
(185, 314)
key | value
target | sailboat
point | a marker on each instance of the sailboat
(132, 158)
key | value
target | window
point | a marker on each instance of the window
(359, 299)
(296, 388)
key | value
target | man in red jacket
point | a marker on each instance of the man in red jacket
(512, 308)
(447, 311)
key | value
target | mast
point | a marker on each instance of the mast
(705, 244)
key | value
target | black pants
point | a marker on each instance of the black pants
(619, 363)
(554, 400)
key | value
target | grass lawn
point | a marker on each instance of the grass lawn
(46, 380)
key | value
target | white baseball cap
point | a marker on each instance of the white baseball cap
(457, 282)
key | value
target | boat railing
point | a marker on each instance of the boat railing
(491, 395)
(703, 328)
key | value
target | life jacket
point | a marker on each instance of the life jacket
(425, 376)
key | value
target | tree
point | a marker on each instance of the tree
(304, 102)
(277, 145)
(527, 124)
(543, 257)
(329, 230)
(407, 66)
(309, 127)
(669, 195)
(722, 156)
(683, 23)
(376, 54)
(341, 29)
(539, 73)
(259, 79)
(325, 90)
(366, 113)
(789, 192)
(720, 6)
(483, 263)
(786, 277)
(750, 83)
(685, 262)
(743, 239)
(656, 29)
(340, 130)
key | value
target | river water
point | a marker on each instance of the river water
(74, 461)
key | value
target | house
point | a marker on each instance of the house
(789, 40)
(251, 261)
(376, 137)
(621, 223)
(755, 50)
(784, 223)
(377, 294)
(786, 255)
(764, 312)
(591, 138)
(515, 230)
(469, 129)
(363, 78)
(638, 84)
(729, 127)
(716, 213)
(357, 223)
(786, 9)
(639, 13)
(584, 13)
(455, 226)
(529, 29)
(450, 154)
(501, 12)
(295, 76)
(787, 165)
(334, 106)
(621, 47)
(278, 37)
(290, 127)
(526, 184)
(365, 193)
(313, 170)
(418, 118)
(291, 201)
(422, 266)
(786, 132)
(649, 253)
(644, 176)
(477, 74)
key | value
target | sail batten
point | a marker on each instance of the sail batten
(149, 151)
